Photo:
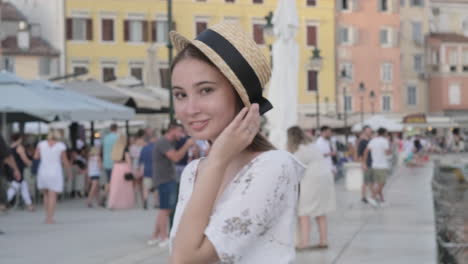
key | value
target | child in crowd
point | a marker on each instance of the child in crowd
(94, 171)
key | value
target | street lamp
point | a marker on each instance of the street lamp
(372, 96)
(345, 114)
(362, 89)
(316, 65)
(269, 34)
(170, 55)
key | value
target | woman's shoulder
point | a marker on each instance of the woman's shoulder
(275, 159)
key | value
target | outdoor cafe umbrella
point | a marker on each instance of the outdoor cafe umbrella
(282, 92)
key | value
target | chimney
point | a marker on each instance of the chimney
(23, 36)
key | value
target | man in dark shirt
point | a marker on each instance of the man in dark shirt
(7, 158)
(164, 178)
(368, 183)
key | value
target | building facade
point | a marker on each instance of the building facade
(23, 51)
(369, 56)
(447, 53)
(414, 28)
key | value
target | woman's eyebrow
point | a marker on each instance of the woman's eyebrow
(204, 82)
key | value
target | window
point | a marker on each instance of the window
(411, 95)
(417, 2)
(135, 31)
(200, 26)
(7, 64)
(453, 60)
(418, 63)
(311, 35)
(348, 103)
(312, 84)
(108, 74)
(258, 34)
(345, 5)
(416, 32)
(383, 5)
(384, 37)
(107, 29)
(159, 31)
(345, 35)
(465, 26)
(386, 72)
(258, 1)
(386, 103)
(137, 72)
(444, 22)
(44, 66)
(454, 94)
(311, 3)
(347, 67)
(229, 1)
(80, 70)
(465, 61)
(79, 29)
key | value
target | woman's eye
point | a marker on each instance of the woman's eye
(206, 90)
(179, 95)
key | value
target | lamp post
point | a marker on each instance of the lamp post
(316, 65)
(345, 113)
(170, 55)
(268, 34)
(372, 97)
(362, 89)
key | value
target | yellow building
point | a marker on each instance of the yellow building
(111, 37)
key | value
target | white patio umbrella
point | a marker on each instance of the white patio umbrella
(284, 80)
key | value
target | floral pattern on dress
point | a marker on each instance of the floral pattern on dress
(238, 225)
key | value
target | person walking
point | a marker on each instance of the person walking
(379, 148)
(135, 152)
(52, 154)
(325, 146)
(316, 189)
(237, 205)
(94, 172)
(107, 146)
(146, 168)
(366, 165)
(6, 158)
(165, 155)
(22, 161)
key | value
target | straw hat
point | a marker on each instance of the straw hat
(237, 56)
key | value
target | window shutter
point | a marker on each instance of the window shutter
(311, 35)
(145, 31)
(312, 82)
(69, 29)
(107, 30)
(126, 30)
(258, 34)
(154, 29)
(89, 29)
(201, 26)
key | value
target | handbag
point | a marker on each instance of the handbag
(129, 176)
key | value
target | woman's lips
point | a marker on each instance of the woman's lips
(198, 125)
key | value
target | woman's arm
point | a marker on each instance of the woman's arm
(37, 153)
(190, 243)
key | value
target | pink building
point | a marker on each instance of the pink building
(368, 51)
(448, 73)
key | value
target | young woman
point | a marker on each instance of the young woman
(238, 204)
(94, 172)
(52, 154)
(22, 161)
(317, 189)
(135, 151)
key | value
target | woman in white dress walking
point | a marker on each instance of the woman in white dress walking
(52, 154)
(317, 188)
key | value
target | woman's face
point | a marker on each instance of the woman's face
(205, 101)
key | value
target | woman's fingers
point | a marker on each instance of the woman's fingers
(251, 122)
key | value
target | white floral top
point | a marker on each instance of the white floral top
(254, 220)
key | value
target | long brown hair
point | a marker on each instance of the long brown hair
(296, 137)
(259, 143)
